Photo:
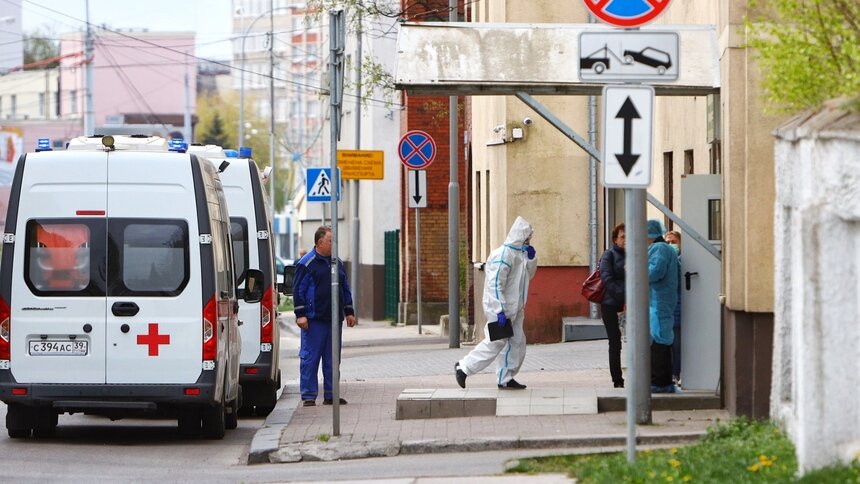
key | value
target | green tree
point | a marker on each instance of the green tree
(809, 50)
(38, 46)
(215, 134)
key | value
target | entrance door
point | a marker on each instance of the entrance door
(700, 284)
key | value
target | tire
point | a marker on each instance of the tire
(231, 421)
(264, 410)
(270, 397)
(19, 421)
(44, 422)
(214, 421)
(188, 422)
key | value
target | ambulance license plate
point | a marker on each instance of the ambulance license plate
(58, 348)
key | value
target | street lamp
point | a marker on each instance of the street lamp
(245, 31)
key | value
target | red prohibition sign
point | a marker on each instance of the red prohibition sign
(417, 149)
(626, 13)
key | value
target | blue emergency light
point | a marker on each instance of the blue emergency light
(44, 144)
(231, 153)
(245, 152)
(177, 144)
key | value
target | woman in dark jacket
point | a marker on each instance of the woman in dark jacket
(612, 274)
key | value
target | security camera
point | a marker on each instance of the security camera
(528, 121)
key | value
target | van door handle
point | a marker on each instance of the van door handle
(124, 308)
(687, 276)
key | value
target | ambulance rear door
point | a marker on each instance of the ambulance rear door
(57, 295)
(155, 302)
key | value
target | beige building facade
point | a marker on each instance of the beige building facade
(544, 177)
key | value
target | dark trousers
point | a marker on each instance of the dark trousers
(613, 333)
(661, 364)
(676, 352)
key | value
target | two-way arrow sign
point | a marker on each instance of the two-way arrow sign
(627, 136)
(417, 188)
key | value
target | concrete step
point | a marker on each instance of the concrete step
(580, 328)
(424, 403)
(483, 402)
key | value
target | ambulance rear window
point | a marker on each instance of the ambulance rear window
(149, 256)
(239, 230)
(60, 257)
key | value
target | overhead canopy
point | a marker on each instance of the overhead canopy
(482, 58)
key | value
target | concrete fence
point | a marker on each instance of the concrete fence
(816, 362)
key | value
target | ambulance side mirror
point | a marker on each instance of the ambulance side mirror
(253, 286)
(287, 286)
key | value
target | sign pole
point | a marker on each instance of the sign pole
(418, 262)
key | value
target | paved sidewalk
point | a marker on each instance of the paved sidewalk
(380, 361)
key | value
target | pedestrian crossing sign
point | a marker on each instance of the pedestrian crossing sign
(319, 185)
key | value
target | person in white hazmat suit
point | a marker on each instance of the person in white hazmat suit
(508, 272)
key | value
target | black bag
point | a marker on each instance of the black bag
(500, 332)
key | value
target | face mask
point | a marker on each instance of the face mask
(676, 247)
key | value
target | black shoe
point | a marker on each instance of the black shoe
(513, 385)
(460, 374)
(328, 401)
(308, 403)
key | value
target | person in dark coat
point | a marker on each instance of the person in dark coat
(612, 274)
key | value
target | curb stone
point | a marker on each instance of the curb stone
(267, 439)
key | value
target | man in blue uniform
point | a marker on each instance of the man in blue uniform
(312, 299)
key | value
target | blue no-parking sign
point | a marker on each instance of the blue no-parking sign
(417, 149)
(626, 13)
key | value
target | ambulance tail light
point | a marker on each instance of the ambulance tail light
(210, 335)
(5, 348)
(267, 310)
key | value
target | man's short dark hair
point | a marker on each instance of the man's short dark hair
(320, 233)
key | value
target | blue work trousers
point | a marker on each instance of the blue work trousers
(316, 344)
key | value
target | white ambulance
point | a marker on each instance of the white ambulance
(253, 247)
(117, 291)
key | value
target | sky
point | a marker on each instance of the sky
(210, 19)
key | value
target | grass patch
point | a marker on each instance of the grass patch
(286, 304)
(738, 451)
(324, 437)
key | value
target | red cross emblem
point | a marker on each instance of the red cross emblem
(153, 339)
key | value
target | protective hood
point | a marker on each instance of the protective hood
(520, 231)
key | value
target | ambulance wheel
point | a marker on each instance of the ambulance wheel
(18, 421)
(232, 419)
(214, 421)
(189, 422)
(271, 397)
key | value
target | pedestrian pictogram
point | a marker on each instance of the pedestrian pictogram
(320, 185)
(417, 149)
(626, 13)
(153, 339)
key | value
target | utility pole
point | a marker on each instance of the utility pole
(89, 116)
(272, 186)
(353, 184)
(453, 216)
(186, 119)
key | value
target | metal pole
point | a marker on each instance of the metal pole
(89, 116)
(592, 196)
(638, 334)
(272, 186)
(353, 184)
(186, 118)
(418, 262)
(336, 28)
(453, 215)
(241, 141)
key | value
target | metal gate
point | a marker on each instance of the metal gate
(392, 273)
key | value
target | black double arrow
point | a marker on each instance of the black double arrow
(628, 113)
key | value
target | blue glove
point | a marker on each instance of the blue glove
(502, 319)
(530, 251)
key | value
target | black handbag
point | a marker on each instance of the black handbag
(500, 332)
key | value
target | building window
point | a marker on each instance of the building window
(42, 110)
(689, 166)
(668, 189)
(73, 96)
(13, 105)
